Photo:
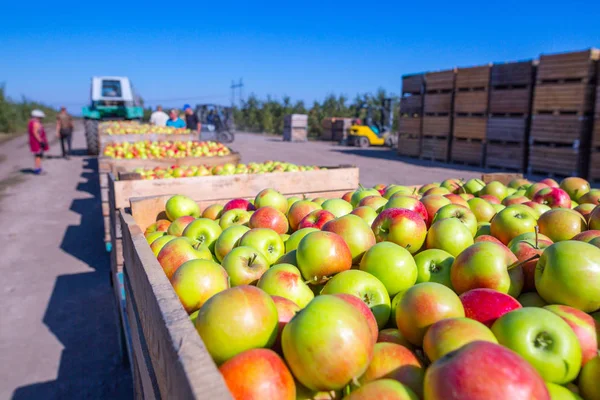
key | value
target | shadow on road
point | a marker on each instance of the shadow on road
(80, 313)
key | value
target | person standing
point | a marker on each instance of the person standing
(38, 143)
(191, 119)
(174, 119)
(159, 117)
(64, 131)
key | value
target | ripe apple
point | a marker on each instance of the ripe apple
(364, 286)
(486, 238)
(528, 250)
(178, 225)
(553, 197)
(286, 309)
(236, 320)
(205, 231)
(591, 197)
(157, 245)
(487, 305)
(179, 206)
(265, 240)
(318, 200)
(356, 233)
(511, 222)
(463, 214)
(403, 227)
(484, 229)
(241, 204)
(393, 335)
(291, 200)
(152, 236)
(589, 380)
(347, 196)
(393, 265)
(583, 326)
(321, 255)
(487, 265)
(453, 185)
(425, 188)
(294, 239)
(542, 338)
(338, 207)
(595, 219)
(550, 182)
(496, 189)
(482, 371)
(575, 187)
(490, 199)
(585, 210)
(467, 196)
(299, 210)
(196, 281)
(423, 305)
(271, 198)
(214, 212)
(245, 265)
(162, 225)
(375, 202)
(233, 217)
(258, 374)
(269, 217)
(285, 280)
(393, 361)
(531, 299)
(569, 273)
(456, 199)
(483, 211)
(518, 183)
(177, 251)
(364, 309)
(361, 193)
(409, 203)
(449, 235)
(316, 219)
(514, 199)
(229, 239)
(587, 236)
(434, 265)
(366, 213)
(432, 204)
(322, 331)
(474, 185)
(383, 389)
(393, 189)
(436, 190)
(451, 334)
(532, 190)
(537, 207)
(561, 224)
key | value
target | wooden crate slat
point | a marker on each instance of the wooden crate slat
(435, 148)
(473, 77)
(514, 73)
(562, 161)
(559, 128)
(410, 126)
(469, 127)
(579, 64)
(413, 83)
(442, 80)
(594, 171)
(510, 101)
(596, 132)
(471, 102)
(438, 103)
(409, 146)
(569, 97)
(412, 104)
(436, 125)
(505, 155)
(510, 129)
(467, 152)
(501, 177)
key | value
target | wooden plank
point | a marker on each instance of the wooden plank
(501, 177)
(565, 129)
(438, 103)
(411, 104)
(566, 97)
(441, 80)
(505, 155)
(596, 132)
(410, 126)
(434, 148)
(182, 365)
(413, 83)
(562, 161)
(513, 73)
(470, 127)
(409, 146)
(510, 101)
(578, 64)
(467, 152)
(471, 102)
(510, 129)
(436, 125)
(472, 77)
(594, 171)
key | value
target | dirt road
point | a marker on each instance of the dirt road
(57, 331)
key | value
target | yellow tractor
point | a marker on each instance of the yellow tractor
(374, 132)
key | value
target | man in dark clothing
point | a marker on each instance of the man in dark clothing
(64, 131)
(191, 119)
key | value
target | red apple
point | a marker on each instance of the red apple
(286, 309)
(487, 238)
(587, 236)
(514, 199)
(591, 197)
(528, 252)
(269, 217)
(241, 204)
(364, 309)
(214, 212)
(162, 225)
(177, 227)
(432, 204)
(347, 196)
(534, 188)
(393, 335)
(316, 219)
(375, 202)
(553, 197)
(178, 251)
(456, 199)
(487, 305)
(299, 210)
(451, 334)
(356, 233)
(409, 203)
(550, 182)
(585, 210)
(490, 198)
(595, 219)
(403, 227)
(322, 254)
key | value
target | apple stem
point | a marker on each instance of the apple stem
(537, 231)
(520, 263)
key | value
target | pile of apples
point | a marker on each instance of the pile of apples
(129, 128)
(182, 171)
(458, 290)
(165, 149)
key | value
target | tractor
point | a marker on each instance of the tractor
(374, 131)
(112, 98)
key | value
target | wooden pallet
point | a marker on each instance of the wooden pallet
(505, 155)
(471, 101)
(563, 129)
(340, 128)
(437, 125)
(512, 129)
(513, 73)
(578, 64)
(577, 98)
(410, 126)
(413, 83)
(594, 169)
(469, 127)
(411, 104)
(467, 152)
(438, 103)
(473, 77)
(514, 100)
(435, 148)
(441, 80)
(558, 161)
(409, 146)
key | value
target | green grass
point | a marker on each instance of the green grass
(14, 115)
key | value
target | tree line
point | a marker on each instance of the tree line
(14, 115)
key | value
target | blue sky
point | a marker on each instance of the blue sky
(305, 50)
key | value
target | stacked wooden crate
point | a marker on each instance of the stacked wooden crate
(437, 119)
(340, 129)
(594, 170)
(295, 127)
(470, 115)
(509, 115)
(562, 113)
(327, 125)
(411, 114)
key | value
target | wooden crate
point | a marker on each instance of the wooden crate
(510, 101)
(573, 65)
(411, 104)
(295, 128)
(505, 155)
(556, 161)
(327, 125)
(413, 83)
(104, 139)
(439, 126)
(501, 177)
(438, 103)
(409, 145)
(441, 80)
(507, 129)
(168, 356)
(410, 126)
(469, 127)
(566, 129)
(513, 73)
(341, 126)
(594, 171)
(434, 148)
(472, 101)
(473, 77)
(467, 152)
(576, 97)
(596, 131)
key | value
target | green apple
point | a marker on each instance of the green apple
(229, 239)
(518, 183)
(531, 299)
(589, 380)
(356, 233)
(543, 339)
(366, 213)
(152, 236)
(271, 198)
(483, 228)
(575, 187)
(561, 224)
(569, 273)
(204, 230)
(461, 213)
(498, 207)
(234, 216)
(434, 265)
(393, 189)
(338, 207)
(296, 237)
(393, 265)
(179, 206)
(496, 189)
(558, 392)
(449, 235)
(474, 185)
(483, 211)
(511, 222)
(245, 265)
(286, 281)
(159, 243)
(196, 281)
(394, 306)
(291, 200)
(366, 287)
(361, 193)
(265, 240)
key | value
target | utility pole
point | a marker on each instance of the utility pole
(240, 86)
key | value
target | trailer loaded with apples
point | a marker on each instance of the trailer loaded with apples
(307, 285)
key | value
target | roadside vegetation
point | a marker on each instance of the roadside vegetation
(14, 115)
